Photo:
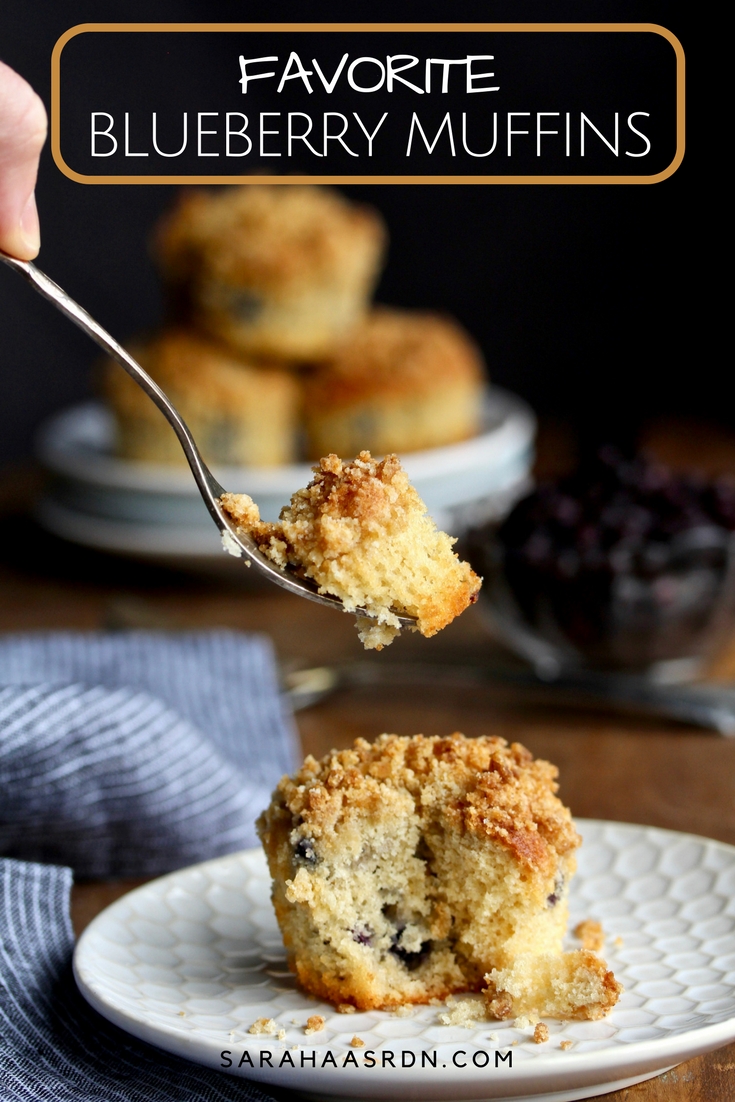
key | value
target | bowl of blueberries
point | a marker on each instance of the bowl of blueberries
(623, 565)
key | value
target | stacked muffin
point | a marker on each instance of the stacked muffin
(271, 338)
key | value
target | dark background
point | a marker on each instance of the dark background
(597, 303)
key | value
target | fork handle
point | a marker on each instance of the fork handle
(209, 487)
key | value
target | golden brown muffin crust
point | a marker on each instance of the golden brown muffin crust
(265, 235)
(484, 786)
(396, 352)
(183, 361)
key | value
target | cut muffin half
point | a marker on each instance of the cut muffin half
(413, 868)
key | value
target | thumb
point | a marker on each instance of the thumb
(22, 134)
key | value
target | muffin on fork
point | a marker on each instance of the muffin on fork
(362, 533)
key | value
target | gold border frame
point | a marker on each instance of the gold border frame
(85, 28)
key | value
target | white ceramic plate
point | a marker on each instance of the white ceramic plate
(190, 961)
(118, 505)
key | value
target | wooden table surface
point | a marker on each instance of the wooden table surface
(626, 769)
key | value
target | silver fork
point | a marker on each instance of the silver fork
(233, 540)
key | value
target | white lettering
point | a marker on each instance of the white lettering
(446, 121)
(229, 133)
(330, 84)
(336, 137)
(542, 133)
(370, 137)
(511, 131)
(300, 137)
(128, 153)
(464, 136)
(645, 139)
(394, 70)
(200, 133)
(583, 119)
(472, 77)
(446, 64)
(155, 137)
(103, 133)
(263, 132)
(246, 76)
(300, 74)
(351, 74)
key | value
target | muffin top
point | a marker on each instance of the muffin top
(481, 786)
(394, 353)
(268, 236)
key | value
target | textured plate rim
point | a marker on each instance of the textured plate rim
(635, 1058)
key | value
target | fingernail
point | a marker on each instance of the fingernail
(29, 225)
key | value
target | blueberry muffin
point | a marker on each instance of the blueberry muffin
(282, 272)
(239, 413)
(362, 533)
(402, 381)
(412, 868)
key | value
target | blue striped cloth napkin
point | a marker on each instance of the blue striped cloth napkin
(134, 753)
(120, 755)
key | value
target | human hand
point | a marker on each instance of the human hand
(22, 134)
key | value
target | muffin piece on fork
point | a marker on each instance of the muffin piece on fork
(362, 533)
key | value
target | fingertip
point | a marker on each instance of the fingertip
(30, 228)
(23, 240)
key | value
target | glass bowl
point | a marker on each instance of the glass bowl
(623, 566)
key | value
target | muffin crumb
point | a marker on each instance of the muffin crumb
(345, 1008)
(464, 1012)
(565, 1045)
(357, 1042)
(591, 934)
(540, 1034)
(575, 984)
(314, 1024)
(264, 1026)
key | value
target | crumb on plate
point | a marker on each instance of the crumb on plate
(264, 1026)
(591, 934)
